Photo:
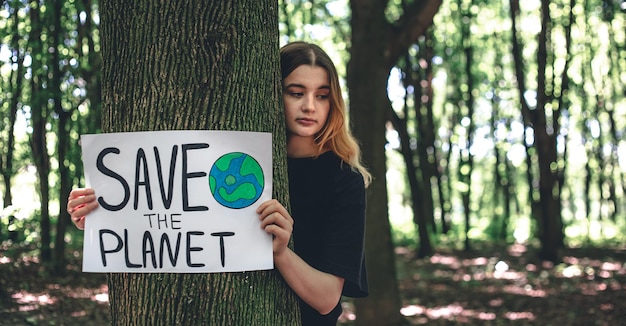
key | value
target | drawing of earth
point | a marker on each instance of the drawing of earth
(236, 180)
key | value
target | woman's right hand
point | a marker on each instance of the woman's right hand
(276, 221)
(81, 202)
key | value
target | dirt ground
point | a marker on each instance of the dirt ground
(493, 286)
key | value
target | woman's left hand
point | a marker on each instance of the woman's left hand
(80, 203)
(276, 221)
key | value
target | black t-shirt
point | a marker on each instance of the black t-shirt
(328, 208)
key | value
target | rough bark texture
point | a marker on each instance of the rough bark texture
(173, 65)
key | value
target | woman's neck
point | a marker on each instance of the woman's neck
(298, 147)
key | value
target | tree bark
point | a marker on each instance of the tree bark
(173, 65)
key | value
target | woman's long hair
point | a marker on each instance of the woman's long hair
(336, 134)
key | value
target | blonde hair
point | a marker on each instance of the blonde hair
(336, 134)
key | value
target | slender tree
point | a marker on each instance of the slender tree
(14, 87)
(196, 65)
(466, 164)
(39, 113)
(416, 75)
(63, 133)
(546, 126)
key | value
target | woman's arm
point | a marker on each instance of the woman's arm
(318, 289)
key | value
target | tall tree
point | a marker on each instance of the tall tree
(196, 65)
(466, 164)
(7, 123)
(377, 45)
(39, 113)
(545, 121)
(416, 134)
(63, 133)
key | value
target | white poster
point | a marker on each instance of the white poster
(177, 201)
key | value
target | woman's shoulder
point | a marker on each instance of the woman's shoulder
(344, 176)
(331, 160)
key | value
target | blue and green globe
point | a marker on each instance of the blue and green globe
(236, 180)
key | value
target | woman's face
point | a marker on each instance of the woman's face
(306, 93)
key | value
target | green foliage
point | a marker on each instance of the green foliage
(323, 22)
(591, 149)
(23, 229)
(49, 69)
(592, 112)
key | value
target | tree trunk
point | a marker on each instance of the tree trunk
(196, 65)
(427, 152)
(466, 164)
(65, 186)
(38, 142)
(6, 159)
(376, 47)
(63, 142)
(420, 188)
(424, 248)
(545, 143)
(368, 108)
(548, 211)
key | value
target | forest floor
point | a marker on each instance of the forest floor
(506, 286)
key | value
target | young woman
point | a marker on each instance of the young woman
(327, 191)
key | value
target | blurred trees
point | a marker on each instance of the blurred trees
(522, 104)
(50, 95)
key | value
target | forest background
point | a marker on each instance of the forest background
(501, 135)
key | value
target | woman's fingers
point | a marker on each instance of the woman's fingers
(276, 221)
(79, 192)
(81, 206)
(81, 202)
(79, 197)
(79, 222)
(266, 205)
(280, 218)
(78, 213)
(84, 209)
(273, 206)
(76, 203)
